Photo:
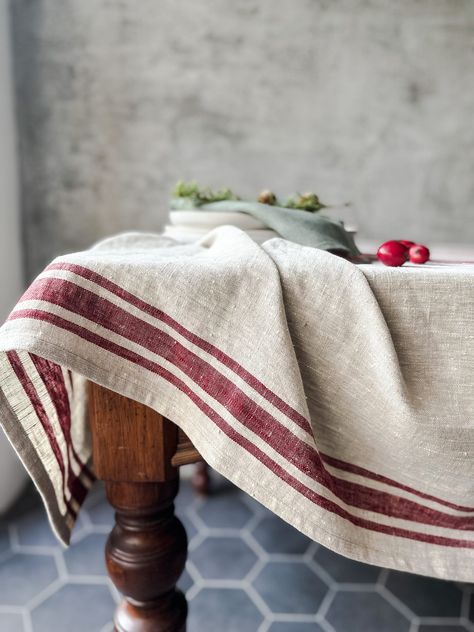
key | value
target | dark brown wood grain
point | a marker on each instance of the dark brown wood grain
(185, 452)
(130, 441)
(145, 556)
(146, 551)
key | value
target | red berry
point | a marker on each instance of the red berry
(392, 253)
(419, 253)
(407, 243)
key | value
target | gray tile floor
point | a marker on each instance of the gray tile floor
(247, 572)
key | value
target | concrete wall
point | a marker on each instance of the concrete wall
(11, 274)
(12, 473)
(370, 101)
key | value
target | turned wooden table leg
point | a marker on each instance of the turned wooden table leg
(145, 555)
(146, 550)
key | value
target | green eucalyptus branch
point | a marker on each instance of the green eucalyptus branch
(202, 196)
(309, 202)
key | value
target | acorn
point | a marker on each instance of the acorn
(267, 197)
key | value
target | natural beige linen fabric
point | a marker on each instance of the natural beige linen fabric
(378, 360)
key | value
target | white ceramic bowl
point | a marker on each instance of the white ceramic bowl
(188, 226)
(190, 234)
(211, 219)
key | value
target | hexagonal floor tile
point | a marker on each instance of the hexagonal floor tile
(29, 500)
(344, 570)
(276, 536)
(185, 581)
(186, 497)
(75, 608)
(100, 511)
(425, 596)
(254, 505)
(77, 530)
(223, 609)
(295, 627)
(23, 576)
(4, 540)
(471, 607)
(225, 511)
(364, 611)
(442, 627)
(188, 524)
(86, 557)
(223, 558)
(290, 587)
(33, 529)
(11, 622)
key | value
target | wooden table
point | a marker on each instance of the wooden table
(137, 453)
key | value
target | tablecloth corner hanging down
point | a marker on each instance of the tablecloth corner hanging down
(339, 396)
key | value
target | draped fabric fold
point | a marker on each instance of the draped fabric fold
(339, 396)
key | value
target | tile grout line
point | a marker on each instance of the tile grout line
(194, 514)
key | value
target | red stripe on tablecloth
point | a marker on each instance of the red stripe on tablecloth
(70, 296)
(362, 471)
(83, 302)
(74, 484)
(90, 305)
(232, 364)
(217, 353)
(53, 380)
(317, 499)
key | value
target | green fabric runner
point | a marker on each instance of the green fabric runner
(301, 227)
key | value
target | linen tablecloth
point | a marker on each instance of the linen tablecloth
(339, 396)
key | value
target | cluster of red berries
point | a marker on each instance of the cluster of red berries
(396, 252)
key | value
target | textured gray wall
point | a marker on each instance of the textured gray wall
(370, 101)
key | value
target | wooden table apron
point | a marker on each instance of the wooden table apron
(137, 453)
